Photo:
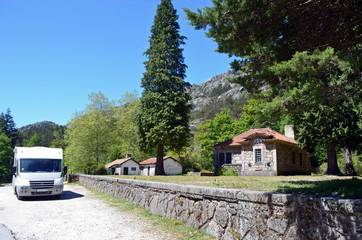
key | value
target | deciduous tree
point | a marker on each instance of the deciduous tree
(89, 135)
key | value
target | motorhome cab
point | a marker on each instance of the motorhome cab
(37, 171)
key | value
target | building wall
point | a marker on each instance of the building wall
(133, 168)
(286, 165)
(239, 214)
(172, 167)
(236, 156)
(150, 172)
(267, 161)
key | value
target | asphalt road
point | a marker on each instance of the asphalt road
(77, 215)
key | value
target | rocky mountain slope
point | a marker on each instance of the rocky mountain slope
(216, 93)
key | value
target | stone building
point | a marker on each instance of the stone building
(170, 165)
(263, 152)
(125, 166)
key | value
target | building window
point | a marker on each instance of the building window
(257, 155)
(300, 158)
(221, 158)
(133, 169)
(293, 157)
(228, 158)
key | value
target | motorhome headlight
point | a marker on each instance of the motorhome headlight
(24, 183)
(58, 183)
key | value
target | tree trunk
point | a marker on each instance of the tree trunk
(159, 162)
(332, 168)
(349, 164)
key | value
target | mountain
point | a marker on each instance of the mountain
(216, 93)
(44, 129)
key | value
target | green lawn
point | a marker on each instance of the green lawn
(347, 187)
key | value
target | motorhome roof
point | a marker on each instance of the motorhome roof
(39, 152)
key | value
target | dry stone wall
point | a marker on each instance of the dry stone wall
(239, 214)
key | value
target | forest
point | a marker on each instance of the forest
(296, 70)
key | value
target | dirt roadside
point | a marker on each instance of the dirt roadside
(77, 215)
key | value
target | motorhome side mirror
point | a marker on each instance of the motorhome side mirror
(13, 170)
(65, 170)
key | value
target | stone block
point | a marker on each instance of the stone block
(221, 217)
(278, 225)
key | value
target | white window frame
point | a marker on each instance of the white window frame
(261, 154)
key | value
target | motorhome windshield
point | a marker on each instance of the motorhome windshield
(40, 165)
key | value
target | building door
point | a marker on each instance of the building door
(148, 171)
(125, 171)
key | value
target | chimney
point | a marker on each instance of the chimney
(128, 155)
(289, 131)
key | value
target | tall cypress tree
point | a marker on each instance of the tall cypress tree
(165, 109)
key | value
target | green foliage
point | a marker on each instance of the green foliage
(220, 129)
(45, 130)
(262, 32)
(102, 133)
(89, 135)
(227, 172)
(126, 140)
(213, 131)
(189, 157)
(165, 109)
(281, 46)
(58, 141)
(34, 141)
(356, 159)
(321, 94)
(7, 126)
(6, 157)
(101, 170)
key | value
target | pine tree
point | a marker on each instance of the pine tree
(7, 126)
(164, 116)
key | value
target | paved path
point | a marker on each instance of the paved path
(77, 215)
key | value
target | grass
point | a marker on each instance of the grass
(347, 187)
(173, 228)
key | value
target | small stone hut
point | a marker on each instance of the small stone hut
(263, 152)
(125, 166)
(170, 165)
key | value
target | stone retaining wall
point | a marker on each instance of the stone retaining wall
(239, 214)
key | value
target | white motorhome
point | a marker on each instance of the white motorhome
(37, 171)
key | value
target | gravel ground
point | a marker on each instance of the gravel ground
(77, 215)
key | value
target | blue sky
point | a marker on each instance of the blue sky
(53, 53)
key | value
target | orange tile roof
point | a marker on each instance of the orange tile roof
(117, 162)
(266, 134)
(152, 160)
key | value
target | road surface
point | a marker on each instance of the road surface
(77, 215)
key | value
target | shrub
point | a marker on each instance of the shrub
(227, 172)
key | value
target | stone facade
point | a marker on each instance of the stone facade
(239, 214)
(262, 152)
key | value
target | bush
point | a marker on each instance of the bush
(101, 170)
(227, 172)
